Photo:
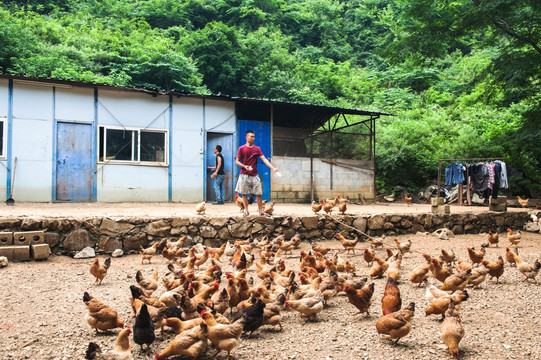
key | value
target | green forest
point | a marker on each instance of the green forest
(463, 77)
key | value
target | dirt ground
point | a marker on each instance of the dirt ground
(42, 315)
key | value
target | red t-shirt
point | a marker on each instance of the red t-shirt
(248, 156)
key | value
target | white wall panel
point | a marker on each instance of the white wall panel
(220, 115)
(4, 97)
(75, 104)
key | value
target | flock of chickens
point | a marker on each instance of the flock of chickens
(203, 307)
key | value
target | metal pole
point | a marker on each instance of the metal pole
(439, 180)
(311, 160)
(330, 134)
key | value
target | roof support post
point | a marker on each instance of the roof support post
(311, 160)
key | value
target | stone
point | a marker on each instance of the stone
(9, 223)
(207, 231)
(64, 225)
(531, 227)
(224, 234)
(376, 222)
(109, 243)
(178, 222)
(52, 239)
(500, 220)
(296, 223)
(196, 220)
(241, 230)
(117, 253)
(212, 243)
(87, 252)
(218, 223)
(469, 229)
(111, 227)
(77, 240)
(159, 228)
(395, 219)
(40, 251)
(3, 261)
(388, 226)
(310, 222)
(133, 242)
(360, 224)
(30, 224)
(328, 233)
(314, 233)
(193, 229)
(257, 228)
(288, 233)
(406, 223)
(437, 220)
(6, 251)
(458, 229)
(264, 220)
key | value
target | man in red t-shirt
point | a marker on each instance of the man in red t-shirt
(249, 181)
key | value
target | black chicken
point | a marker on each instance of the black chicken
(143, 329)
(253, 316)
(173, 312)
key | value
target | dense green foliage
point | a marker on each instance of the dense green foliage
(462, 76)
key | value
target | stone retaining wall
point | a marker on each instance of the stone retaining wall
(67, 236)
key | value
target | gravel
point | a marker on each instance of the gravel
(42, 312)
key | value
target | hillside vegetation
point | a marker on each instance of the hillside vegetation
(463, 77)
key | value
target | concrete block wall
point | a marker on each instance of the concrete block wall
(294, 185)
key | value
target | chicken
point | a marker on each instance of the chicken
(168, 254)
(285, 246)
(156, 314)
(495, 268)
(452, 330)
(514, 238)
(100, 316)
(224, 337)
(441, 304)
(178, 325)
(463, 265)
(420, 273)
(403, 246)
(238, 201)
(375, 243)
(509, 257)
(522, 202)
(148, 253)
(478, 275)
(200, 208)
(456, 281)
(360, 298)
(220, 301)
(319, 248)
(327, 207)
(396, 324)
(342, 207)
(201, 259)
(391, 300)
(476, 256)
(317, 207)
(528, 270)
(253, 316)
(407, 199)
(295, 240)
(368, 256)
(271, 313)
(143, 329)
(138, 293)
(349, 245)
(122, 350)
(493, 238)
(378, 267)
(448, 256)
(440, 273)
(269, 208)
(149, 285)
(191, 343)
(433, 293)
(99, 272)
(309, 307)
(393, 271)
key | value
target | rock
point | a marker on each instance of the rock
(109, 243)
(51, 238)
(296, 223)
(240, 230)
(3, 261)
(178, 222)
(376, 222)
(117, 253)
(531, 227)
(207, 231)
(110, 227)
(9, 223)
(406, 223)
(218, 223)
(133, 242)
(310, 222)
(196, 220)
(30, 224)
(87, 252)
(360, 224)
(77, 240)
(159, 228)
(224, 234)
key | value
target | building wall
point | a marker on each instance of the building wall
(3, 114)
(294, 185)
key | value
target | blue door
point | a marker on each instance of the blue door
(226, 141)
(74, 162)
(262, 131)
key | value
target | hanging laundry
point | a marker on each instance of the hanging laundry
(503, 178)
(454, 174)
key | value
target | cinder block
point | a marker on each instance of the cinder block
(6, 238)
(7, 251)
(36, 237)
(21, 238)
(497, 207)
(40, 251)
(447, 209)
(21, 253)
(437, 201)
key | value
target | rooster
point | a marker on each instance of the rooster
(349, 245)
(514, 238)
(493, 238)
(99, 272)
(523, 203)
(407, 199)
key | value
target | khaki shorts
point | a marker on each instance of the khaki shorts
(248, 184)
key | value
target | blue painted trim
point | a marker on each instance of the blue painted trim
(55, 144)
(235, 170)
(170, 171)
(95, 148)
(9, 137)
(204, 150)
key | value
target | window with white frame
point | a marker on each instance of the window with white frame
(132, 145)
(3, 123)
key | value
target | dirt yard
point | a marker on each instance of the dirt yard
(42, 314)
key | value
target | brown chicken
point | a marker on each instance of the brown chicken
(463, 265)
(285, 246)
(456, 281)
(393, 271)
(420, 273)
(368, 256)
(149, 285)
(148, 253)
(397, 324)
(342, 207)
(528, 270)
(440, 305)
(122, 350)
(200, 208)
(495, 268)
(391, 300)
(190, 343)
(361, 298)
(308, 307)
(476, 256)
(317, 207)
(440, 273)
(269, 208)
(323, 250)
(523, 202)
(448, 256)
(178, 325)
(99, 272)
(349, 245)
(509, 257)
(100, 316)
(327, 207)
(271, 313)
(452, 330)
(376, 243)
(403, 246)
(168, 254)
(493, 238)
(238, 201)
(407, 199)
(514, 238)
(224, 337)
(478, 275)
(378, 268)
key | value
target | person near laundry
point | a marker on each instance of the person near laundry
(218, 175)
(249, 182)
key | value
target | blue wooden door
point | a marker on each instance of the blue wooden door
(226, 141)
(262, 131)
(74, 162)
